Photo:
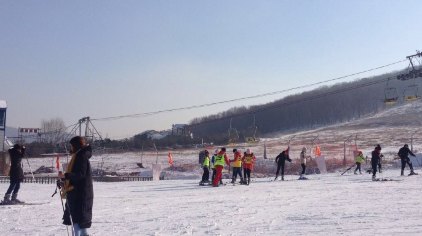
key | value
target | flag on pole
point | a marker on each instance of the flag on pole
(170, 159)
(317, 151)
(58, 162)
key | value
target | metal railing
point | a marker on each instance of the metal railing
(52, 180)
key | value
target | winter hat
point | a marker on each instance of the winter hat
(304, 149)
(235, 150)
(378, 147)
(206, 152)
(216, 151)
(77, 142)
(17, 146)
(406, 145)
(223, 149)
(248, 151)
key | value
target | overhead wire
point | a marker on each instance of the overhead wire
(242, 98)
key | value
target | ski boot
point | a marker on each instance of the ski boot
(402, 173)
(412, 173)
(15, 200)
(282, 178)
(355, 173)
(6, 199)
(374, 178)
(249, 181)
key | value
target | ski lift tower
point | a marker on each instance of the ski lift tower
(85, 128)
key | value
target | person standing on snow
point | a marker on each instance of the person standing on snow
(16, 174)
(281, 160)
(206, 168)
(78, 188)
(219, 161)
(375, 160)
(248, 160)
(303, 158)
(404, 157)
(237, 166)
(359, 159)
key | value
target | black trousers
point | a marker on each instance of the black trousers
(303, 168)
(374, 168)
(358, 167)
(237, 171)
(405, 161)
(246, 173)
(280, 166)
(206, 174)
(14, 187)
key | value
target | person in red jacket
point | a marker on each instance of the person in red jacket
(219, 162)
(248, 161)
(237, 166)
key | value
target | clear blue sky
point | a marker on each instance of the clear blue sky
(71, 59)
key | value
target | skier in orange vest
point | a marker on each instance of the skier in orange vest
(248, 160)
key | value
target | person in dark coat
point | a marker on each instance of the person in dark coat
(16, 174)
(404, 157)
(281, 160)
(375, 160)
(78, 188)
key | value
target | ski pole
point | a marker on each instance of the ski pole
(61, 200)
(70, 216)
(32, 173)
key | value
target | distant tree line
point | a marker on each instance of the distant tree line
(326, 105)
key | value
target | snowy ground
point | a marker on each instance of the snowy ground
(324, 205)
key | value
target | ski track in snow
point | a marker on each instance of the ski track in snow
(324, 205)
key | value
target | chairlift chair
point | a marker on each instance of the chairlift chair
(390, 96)
(410, 94)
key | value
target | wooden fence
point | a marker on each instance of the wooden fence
(52, 180)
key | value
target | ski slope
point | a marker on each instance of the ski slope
(324, 205)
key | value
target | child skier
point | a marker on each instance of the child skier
(404, 157)
(281, 160)
(248, 161)
(206, 168)
(303, 158)
(237, 166)
(359, 160)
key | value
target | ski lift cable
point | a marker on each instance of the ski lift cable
(286, 103)
(137, 115)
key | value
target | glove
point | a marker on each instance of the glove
(60, 183)
(67, 175)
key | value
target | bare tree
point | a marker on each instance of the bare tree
(53, 130)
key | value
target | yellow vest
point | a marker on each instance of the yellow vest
(238, 162)
(219, 160)
(206, 162)
(249, 158)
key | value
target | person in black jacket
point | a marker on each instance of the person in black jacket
(375, 160)
(404, 157)
(78, 188)
(16, 174)
(281, 160)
